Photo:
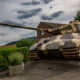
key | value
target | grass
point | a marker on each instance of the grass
(8, 46)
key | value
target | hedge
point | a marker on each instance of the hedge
(4, 53)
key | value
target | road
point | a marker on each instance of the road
(49, 70)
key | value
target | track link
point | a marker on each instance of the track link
(71, 53)
(34, 56)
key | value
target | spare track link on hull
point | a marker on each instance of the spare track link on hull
(72, 53)
(34, 56)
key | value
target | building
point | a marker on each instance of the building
(46, 25)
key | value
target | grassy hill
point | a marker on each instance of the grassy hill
(13, 44)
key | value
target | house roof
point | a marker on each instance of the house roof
(51, 25)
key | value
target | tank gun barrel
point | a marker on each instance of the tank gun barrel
(64, 29)
(18, 26)
(54, 31)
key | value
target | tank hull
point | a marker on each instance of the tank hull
(65, 47)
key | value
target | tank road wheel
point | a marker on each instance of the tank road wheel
(71, 53)
(34, 56)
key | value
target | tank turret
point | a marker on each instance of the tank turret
(73, 26)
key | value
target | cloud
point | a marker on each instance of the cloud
(11, 22)
(30, 3)
(50, 7)
(52, 16)
(47, 1)
(57, 14)
(8, 34)
(45, 17)
(31, 12)
(35, 2)
(3, 34)
(31, 34)
(28, 14)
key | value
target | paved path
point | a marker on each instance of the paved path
(49, 70)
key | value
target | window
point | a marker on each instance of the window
(42, 33)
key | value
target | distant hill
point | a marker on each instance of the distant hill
(11, 43)
(14, 42)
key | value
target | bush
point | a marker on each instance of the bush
(3, 63)
(77, 17)
(15, 58)
(1, 59)
(7, 51)
(4, 53)
(24, 50)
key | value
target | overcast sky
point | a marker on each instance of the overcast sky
(31, 12)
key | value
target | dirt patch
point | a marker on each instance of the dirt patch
(8, 46)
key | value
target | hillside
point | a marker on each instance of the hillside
(7, 46)
(13, 44)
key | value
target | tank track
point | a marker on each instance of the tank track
(71, 54)
(34, 56)
(68, 54)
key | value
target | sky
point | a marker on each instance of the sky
(31, 13)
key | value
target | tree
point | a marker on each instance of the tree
(77, 17)
(25, 43)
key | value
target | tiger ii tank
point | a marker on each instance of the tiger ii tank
(65, 45)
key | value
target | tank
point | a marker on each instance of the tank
(64, 45)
